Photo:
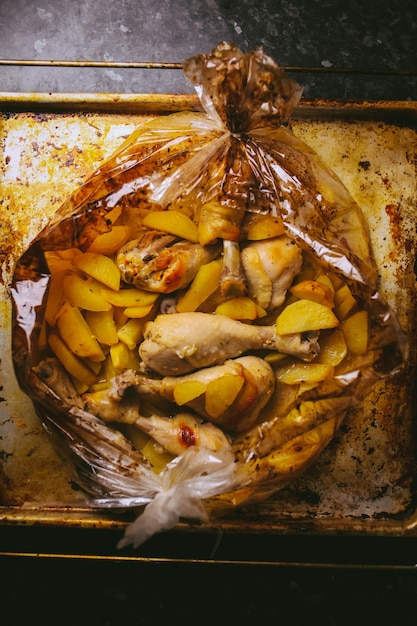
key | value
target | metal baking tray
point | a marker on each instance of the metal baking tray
(364, 482)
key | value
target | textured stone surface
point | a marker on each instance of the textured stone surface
(321, 33)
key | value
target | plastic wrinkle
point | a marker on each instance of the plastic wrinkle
(27, 296)
(165, 189)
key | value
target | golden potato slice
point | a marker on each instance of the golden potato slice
(55, 298)
(336, 281)
(68, 254)
(275, 357)
(126, 298)
(325, 279)
(100, 385)
(172, 222)
(100, 267)
(102, 326)
(137, 436)
(333, 349)
(113, 215)
(138, 312)
(304, 315)
(188, 390)
(266, 228)
(109, 369)
(356, 332)
(80, 386)
(72, 364)
(221, 393)
(304, 373)
(109, 243)
(95, 366)
(313, 290)
(156, 454)
(84, 293)
(124, 359)
(76, 333)
(241, 308)
(204, 284)
(119, 317)
(344, 302)
(131, 332)
(58, 265)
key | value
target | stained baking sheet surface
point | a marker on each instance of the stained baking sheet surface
(364, 481)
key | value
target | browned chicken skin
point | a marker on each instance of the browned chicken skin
(160, 262)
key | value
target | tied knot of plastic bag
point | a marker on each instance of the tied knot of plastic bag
(242, 90)
(181, 488)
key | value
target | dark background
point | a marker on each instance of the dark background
(327, 34)
(74, 576)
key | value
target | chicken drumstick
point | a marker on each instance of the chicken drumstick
(179, 343)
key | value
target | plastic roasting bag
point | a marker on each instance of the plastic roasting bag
(216, 175)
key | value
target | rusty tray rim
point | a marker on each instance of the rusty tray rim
(400, 112)
(101, 102)
(83, 517)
